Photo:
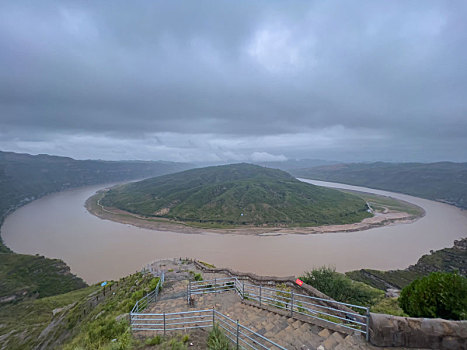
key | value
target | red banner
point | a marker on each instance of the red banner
(299, 281)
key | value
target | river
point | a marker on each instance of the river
(58, 226)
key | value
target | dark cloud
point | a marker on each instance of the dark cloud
(223, 80)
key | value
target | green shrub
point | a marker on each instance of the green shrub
(198, 277)
(153, 284)
(388, 306)
(217, 339)
(154, 341)
(341, 288)
(439, 294)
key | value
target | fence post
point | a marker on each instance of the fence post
(243, 289)
(367, 324)
(260, 295)
(291, 306)
(187, 297)
(164, 324)
(215, 283)
(238, 331)
(213, 318)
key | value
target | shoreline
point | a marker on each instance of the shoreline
(386, 218)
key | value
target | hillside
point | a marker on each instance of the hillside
(444, 181)
(237, 194)
(444, 260)
(86, 318)
(28, 276)
(25, 177)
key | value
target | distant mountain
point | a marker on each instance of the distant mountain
(443, 181)
(25, 177)
(237, 194)
(291, 164)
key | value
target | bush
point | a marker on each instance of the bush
(217, 339)
(341, 288)
(439, 294)
(154, 341)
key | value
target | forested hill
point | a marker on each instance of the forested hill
(25, 177)
(443, 181)
(237, 194)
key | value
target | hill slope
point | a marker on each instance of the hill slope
(237, 194)
(25, 276)
(25, 177)
(444, 181)
(443, 260)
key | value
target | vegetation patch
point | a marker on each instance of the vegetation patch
(236, 195)
(452, 259)
(342, 288)
(439, 294)
(28, 276)
(217, 340)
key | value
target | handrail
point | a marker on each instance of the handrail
(288, 300)
(202, 319)
(302, 304)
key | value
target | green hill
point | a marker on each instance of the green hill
(443, 181)
(444, 260)
(28, 276)
(237, 194)
(24, 177)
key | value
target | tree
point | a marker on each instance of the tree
(439, 294)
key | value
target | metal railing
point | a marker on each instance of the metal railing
(151, 297)
(242, 337)
(353, 317)
(350, 316)
(217, 285)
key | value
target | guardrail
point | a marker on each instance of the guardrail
(355, 318)
(151, 297)
(350, 316)
(216, 285)
(241, 336)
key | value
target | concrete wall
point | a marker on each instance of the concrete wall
(430, 333)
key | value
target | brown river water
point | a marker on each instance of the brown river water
(58, 226)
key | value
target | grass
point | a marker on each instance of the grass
(217, 339)
(388, 306)
(236, 195)
(25, 276)
(25, 321)
(87, 320)
(341, 288)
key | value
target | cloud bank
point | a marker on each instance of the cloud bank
(235, 81)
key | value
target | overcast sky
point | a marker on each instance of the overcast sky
(235, 80)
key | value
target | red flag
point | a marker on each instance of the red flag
(299, 281)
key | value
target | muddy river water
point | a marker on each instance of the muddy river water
(59, 226)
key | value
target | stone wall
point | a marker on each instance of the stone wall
(430, 333)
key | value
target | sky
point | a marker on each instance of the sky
(229, 81)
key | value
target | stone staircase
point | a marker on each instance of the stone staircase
(276, 325)
(285, 331)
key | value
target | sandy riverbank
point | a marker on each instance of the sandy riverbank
(388, 217)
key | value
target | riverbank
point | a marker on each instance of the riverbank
(383, 215)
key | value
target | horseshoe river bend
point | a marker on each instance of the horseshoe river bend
(59, 226)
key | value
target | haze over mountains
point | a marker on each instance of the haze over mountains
(442, 181)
